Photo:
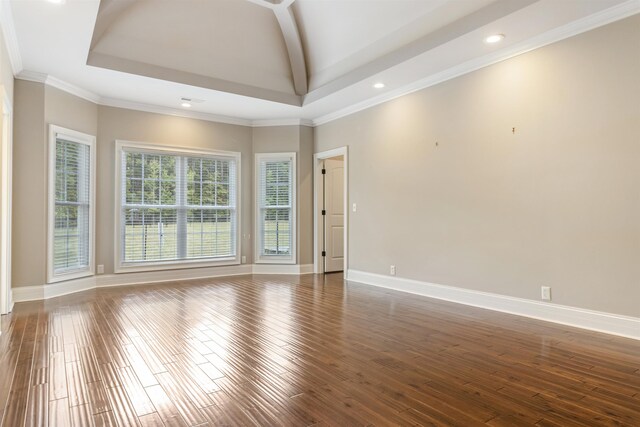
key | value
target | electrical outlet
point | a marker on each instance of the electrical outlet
(100, 269)
(244, 259)
(546, 293)
(354, 207)
(392, 270)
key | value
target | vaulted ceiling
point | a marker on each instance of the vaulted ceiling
(282, 59)
(287, 51)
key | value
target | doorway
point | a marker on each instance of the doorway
(330, 211)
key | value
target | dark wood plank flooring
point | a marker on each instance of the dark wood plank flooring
(300, 351)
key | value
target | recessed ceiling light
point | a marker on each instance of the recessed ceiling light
(57, 1)
(186, 105)
(378, 85)
(494, 38)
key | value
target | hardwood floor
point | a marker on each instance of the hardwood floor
(309, 350)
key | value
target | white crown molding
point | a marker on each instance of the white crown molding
(46, 291)
(10, 37)
(138, 106)
(31, 76)
(131, 105)
(281, 122)
(37, 77)
(73, 89)
(34, 76)
(571, 316)
(607, 16)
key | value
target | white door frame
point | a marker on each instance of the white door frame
(6, 156)
(317, 207)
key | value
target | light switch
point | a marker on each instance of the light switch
(354, 207)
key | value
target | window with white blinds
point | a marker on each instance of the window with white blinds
(276, 191)
(70, 204)
(177, 206)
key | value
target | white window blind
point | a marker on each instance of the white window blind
(276, 207)
(71, 234)
(71, 204)
(177, 207)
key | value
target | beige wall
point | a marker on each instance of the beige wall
(556, 203)
(305, 196)
(36, 107)
(29, 224)
(298, 139)
(117, 123)
(39, 105)
(276, 139)
(69, 111)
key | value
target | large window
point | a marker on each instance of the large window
(176, 207)
(275, 214)
(71, 200)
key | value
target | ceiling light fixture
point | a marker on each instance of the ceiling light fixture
(57, 1)
(494, 38)
(186, 105)
(378, 85)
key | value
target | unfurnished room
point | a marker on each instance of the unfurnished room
(319, 213)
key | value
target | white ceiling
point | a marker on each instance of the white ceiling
(237, 57)
(362, 31)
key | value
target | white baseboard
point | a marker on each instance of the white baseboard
(572, 316)
(282, 268)
(123, 279)
(306, 269)
(41, 292)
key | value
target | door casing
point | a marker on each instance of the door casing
(6, 159)
(318, 228)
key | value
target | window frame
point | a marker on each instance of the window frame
(259, 257)
(144, 147)
(81, 138)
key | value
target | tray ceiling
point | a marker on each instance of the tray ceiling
(282, 59)
(277, 51)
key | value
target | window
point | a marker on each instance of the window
(275, 213)
(176, 207)
(71, 204)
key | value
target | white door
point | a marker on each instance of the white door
(334, 217)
